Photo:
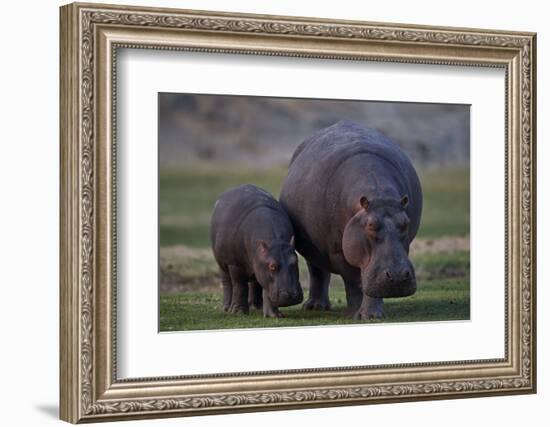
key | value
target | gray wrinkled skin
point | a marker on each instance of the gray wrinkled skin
(253, 243)
(355, 202)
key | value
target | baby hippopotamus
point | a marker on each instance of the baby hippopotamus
(253, 244)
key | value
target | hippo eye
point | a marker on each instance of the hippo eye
(273, 266)
(373, 226)
(404, 224)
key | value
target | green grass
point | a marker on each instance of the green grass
(442, 265)
(442, 294)
(187, 198)
(446, 209)
(446, 299)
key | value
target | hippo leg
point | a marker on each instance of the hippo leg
(239, 297)
(255, 294)
(318, 289)
(227, 289)
(354, 294)
(269, 309)
(360, 306)
(371, 308)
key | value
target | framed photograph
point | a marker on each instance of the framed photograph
(267, 212)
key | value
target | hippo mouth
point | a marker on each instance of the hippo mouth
(392, 289)
(286, 299)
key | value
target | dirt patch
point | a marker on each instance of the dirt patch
(183, 268)
(171, 284)
(187, 269)
(440, 245)
(181, 251)
(443, 271)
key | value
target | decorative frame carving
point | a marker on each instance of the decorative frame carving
(90, 36)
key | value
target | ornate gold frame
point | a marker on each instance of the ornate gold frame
(90, 36)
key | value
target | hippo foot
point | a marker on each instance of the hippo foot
(237, 308)
(350, 312)
(274, 314)
(365, 315)
(371, 309)
(316, 304)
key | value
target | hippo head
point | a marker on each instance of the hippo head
(376, 240)
(276, 270)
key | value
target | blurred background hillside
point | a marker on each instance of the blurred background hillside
(264, 132)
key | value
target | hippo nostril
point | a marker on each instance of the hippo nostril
(285, 298)
(407, 274)
(283, 294)
(388, 275)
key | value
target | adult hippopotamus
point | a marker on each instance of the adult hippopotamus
(253, 244)
(355, 202)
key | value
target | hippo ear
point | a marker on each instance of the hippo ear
(404, 201)
(292, 242)
(354, 245)
(364, 202)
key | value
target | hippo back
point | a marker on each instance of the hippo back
(237, 205)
